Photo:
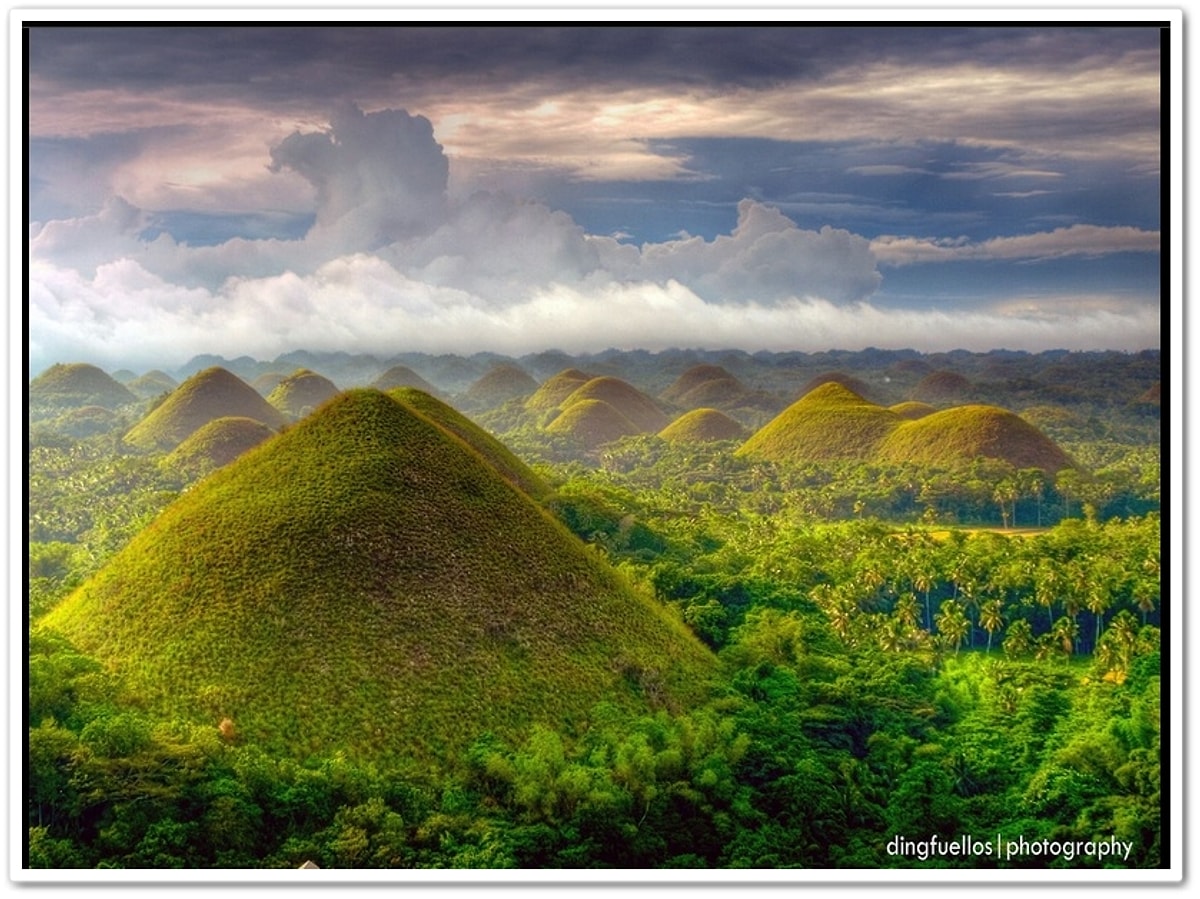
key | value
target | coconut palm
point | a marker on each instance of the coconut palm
(991, 619)
(952, 623)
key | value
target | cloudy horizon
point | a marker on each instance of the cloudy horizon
(258, 190)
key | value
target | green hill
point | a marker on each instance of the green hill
(703, 378)
(216, 444)
(364, 583)
(942, 387)
(496, 453)
(403, 376)
(74, 385)
(87, 421)
(153, 383)
(634, 405)
(830, 422)
(503, 383)
(207, 395)
(702, 425)
(555, 389)
(301, 392)
(954, 437)
(593, 423)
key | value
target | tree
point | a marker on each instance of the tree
(991, 619)
(953, 624)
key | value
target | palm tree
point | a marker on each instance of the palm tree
(991, 619)
(1019, 639)
(952, 623)
(1064, 633)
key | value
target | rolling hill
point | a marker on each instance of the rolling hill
(954, 437)
(207, 395)
(703, 425)
(216, 444)
(555, 389)
(301, 392)
(592, 423)
(502, 383)
(77, 384)
(626, 399)
(403, 376)
(828, 423)
(365, 583)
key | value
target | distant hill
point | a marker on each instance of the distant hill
(555, 389)
(703, 425)
(216, 444)
(502, 383)
(828, 423)
(496, 453)
(955, 437)
(403, 376)
(592, 423)
(87, 421)
(207, 395)
(941, 387)
(365, 583)
(77, 384)
(709, 384)
(301, 392)
(832, 423)
(850, 382)
(151, 384)
(267, 381)
(630, 402)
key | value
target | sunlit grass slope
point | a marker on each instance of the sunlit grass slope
(207, 395)
(364, 582)
(555, 389)
(954, 437)
(593, 423)
(301, 392)
(702, 425)
(493, 451)
(78, 384)
(634, 405)
(502, 383)
(828, 423)
(216, 444)
(911, 409)
(702, 376)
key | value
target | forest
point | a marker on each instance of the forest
(890, 649)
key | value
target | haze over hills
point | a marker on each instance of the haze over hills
(366, 582)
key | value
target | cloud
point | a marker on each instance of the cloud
(124, 316)
(1076, 240)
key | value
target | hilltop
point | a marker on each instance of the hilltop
(631, 403)
(216, 444)
(206, 396)
(365, 583)
(592, 423)
(74, 385)
(830, 422)
(403, 376)
(455, 423)
(954, 437)
(301, 392)
(555, 389)
(702, 425)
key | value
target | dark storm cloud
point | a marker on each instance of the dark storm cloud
(281, 62)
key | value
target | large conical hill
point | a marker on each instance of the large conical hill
(365, 583)
(403, 376)
(301, 392)
(703, 377)
(496, 453)
(831, 422)
(206, 396)
(78, 384)
(955, 437)
(502, 383)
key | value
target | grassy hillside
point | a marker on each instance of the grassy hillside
(301, 392)
(593, 423)
(78, 384)
(830, 422)
(216, 444)
(634, 405)
(364, 583)
(912, 409)
(153, 383)
(954, 437)
(555, 389)
(403, 376)
(701, 425)
(206, 396)
(698, 376)
(502, 383)
(493, 451)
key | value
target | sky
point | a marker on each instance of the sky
(255, 190)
